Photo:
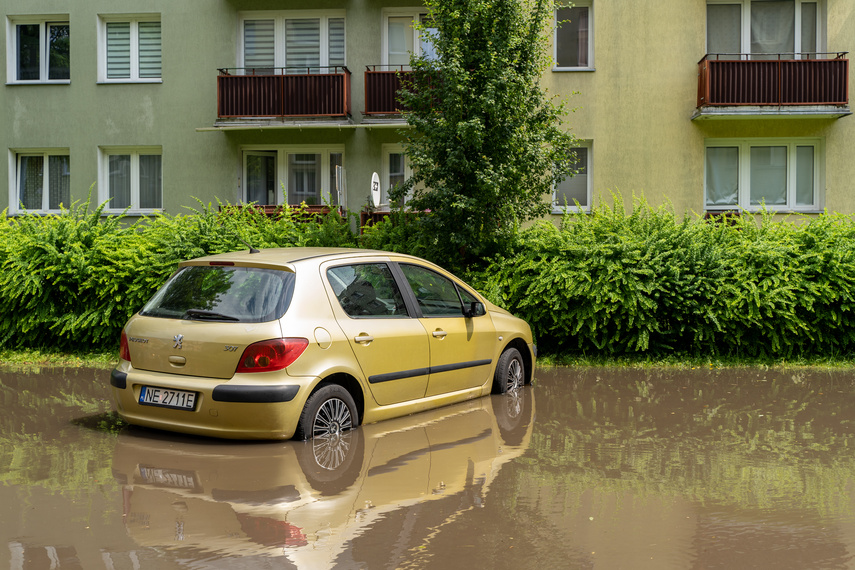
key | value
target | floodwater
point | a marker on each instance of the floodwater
(587, 468)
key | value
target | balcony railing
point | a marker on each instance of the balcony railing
(773, 79)
(382, 83)
(283, 92)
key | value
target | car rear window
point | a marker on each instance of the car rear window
(222, 293)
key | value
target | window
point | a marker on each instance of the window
(293, 175)
(763, 29)
(782, 174)
(436, 295)
(38, 50)
(131, 178)
(367, 290)
(42, 180)
(576, 188)
(401, 38)
(129, 49)
(574, 45)
(396, 171)
(297, 41)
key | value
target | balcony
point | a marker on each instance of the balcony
(773, 85)
(382, 83)
(283, 93)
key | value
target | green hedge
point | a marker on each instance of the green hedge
(614, 283)
(70, 281)
(605, 283)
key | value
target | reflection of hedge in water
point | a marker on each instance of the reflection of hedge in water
(616, 283)
(744, 438)
(47, 405)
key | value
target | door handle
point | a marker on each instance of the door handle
(439, 333)
(363, 338)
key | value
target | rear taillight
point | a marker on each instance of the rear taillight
(274, 354)
(124, 348)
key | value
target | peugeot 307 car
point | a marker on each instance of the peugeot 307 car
(309, 342)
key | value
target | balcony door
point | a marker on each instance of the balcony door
(299, 42)
(765, 29)
(402, 39)
(260, 176)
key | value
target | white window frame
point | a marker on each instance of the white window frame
(589, 4)
(560, 208)
(104, 154)
(743, 201)
(282, 152)
(745, 32)
(44, 55)
(387, 150)
(134, 20)
(279, 17)
(15, 178)
(415, 14)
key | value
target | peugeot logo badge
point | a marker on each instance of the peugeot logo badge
(178, 338)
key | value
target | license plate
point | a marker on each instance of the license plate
(164, 397)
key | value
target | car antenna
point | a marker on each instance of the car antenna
(246, 243)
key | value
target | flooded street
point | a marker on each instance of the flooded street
(588, 468)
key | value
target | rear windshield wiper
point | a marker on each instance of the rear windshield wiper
(208, 315)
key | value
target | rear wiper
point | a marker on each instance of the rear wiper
(208, 315)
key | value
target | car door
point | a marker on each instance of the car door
(390, 346)
(461, 347)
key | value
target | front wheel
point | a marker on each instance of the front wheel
(328, 412)
(510, 372)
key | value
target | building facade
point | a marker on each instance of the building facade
(711, 105)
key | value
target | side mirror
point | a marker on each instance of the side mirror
(475, 309)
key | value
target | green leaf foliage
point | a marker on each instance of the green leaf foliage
(70, 281)
(617, 283)
(486, 142)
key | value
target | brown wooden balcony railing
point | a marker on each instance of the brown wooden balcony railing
(382, 83)
(773, 79)
(284, 92)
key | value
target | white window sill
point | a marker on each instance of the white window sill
(126, 81)
(132, 212)
(54, 82)
(756, 210)
(570, 210)
(566, 69)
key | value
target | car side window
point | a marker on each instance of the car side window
(367, 290)
(436, 295)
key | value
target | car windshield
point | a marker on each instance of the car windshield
(223, 293)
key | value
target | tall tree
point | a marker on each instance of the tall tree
(485, 141)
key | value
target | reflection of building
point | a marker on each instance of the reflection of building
(309, 500)
(233, 100)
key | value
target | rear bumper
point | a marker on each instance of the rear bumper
(231, 409)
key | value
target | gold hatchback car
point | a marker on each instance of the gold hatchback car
(309, 342)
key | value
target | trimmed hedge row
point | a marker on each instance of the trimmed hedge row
(647, 282)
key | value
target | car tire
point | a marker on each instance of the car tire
(510, 372)
(328, 412)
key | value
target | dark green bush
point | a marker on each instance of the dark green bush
(646, 282)
(71, 281)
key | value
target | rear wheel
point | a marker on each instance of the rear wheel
(328, 412)
(510, 372)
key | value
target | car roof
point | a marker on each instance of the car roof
(285, 257)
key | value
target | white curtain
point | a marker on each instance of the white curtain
(150, 181)
(31, 182)
(804, 176)
(304, 179)
(724, 29)
(59, 182)
(722, 165)
(120, 180)
(773, 24)
(769, 175)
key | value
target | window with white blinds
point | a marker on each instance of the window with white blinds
(131, 50)
(291, 40)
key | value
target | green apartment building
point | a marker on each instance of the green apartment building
(711, 105)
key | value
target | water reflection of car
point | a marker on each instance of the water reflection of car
(308, 342)
(309, 500)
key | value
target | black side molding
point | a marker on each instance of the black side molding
(119, 379)
(254, 394)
